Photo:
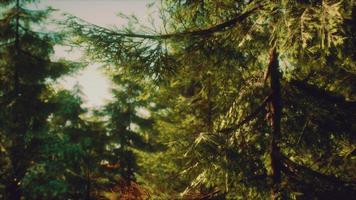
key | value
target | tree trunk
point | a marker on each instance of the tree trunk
(276, 109)
(12, 190)
(12, 187)
(17, 156)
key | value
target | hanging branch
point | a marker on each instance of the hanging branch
(300, 172)
(320, 93)
(203, 32)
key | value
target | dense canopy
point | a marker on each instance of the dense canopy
(228, 99)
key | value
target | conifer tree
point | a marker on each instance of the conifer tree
(80, 148)
(128, 124)
(25, 73)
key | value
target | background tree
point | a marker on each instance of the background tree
(26, 72)
(80, 139)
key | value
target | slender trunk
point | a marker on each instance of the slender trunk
(12, 188)
(276, 109)
(210, 113)
(17, 46)
(88, 181)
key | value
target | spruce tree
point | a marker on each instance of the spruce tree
(129, 123)
(26, 72)
(79, 148)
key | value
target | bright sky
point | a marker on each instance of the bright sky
(96, 87)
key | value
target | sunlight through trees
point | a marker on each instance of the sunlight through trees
(226, 99)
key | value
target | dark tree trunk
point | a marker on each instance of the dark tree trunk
(17, 155)
(12, 191)
(276, 109)
(12, 188)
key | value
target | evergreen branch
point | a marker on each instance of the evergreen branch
(3, 149)
(303, 130)
(203, 32)
(248, 118)
(7, 43)
(33, 56)
(244, 180)
(210, 195)
(31, 31)
(319, 93)
(74, 174)
(292, 168)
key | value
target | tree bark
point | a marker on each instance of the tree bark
(276, 110)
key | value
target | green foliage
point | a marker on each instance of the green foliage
(195, 113)
(129, 125)
(215, 115)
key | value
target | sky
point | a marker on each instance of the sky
(95, 86)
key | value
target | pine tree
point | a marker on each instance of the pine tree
(25, 73)
(128, 124)
(80, 148)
